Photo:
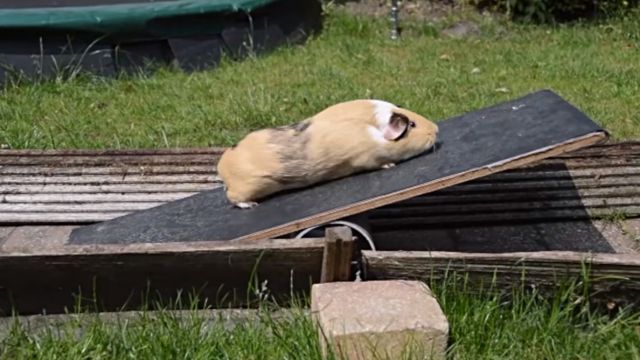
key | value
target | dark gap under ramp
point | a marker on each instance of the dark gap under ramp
(471, 146)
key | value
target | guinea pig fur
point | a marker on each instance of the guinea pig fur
(341, 140)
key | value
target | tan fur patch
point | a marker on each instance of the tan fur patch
(334, 143)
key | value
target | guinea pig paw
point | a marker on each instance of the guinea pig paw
(246, 205)
(388, 166)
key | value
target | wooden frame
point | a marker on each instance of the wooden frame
(613, 279)
(40, 272)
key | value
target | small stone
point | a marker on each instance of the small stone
(462, 29)
(475, 70)
(380, 320)
(5, 146)
(502, 90)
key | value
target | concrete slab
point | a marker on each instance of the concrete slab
(392, 319)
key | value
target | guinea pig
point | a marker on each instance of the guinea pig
(343, 139)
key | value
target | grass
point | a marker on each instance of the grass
(167, 336)
(484, 326)
(595, 66)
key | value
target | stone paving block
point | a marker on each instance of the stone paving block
(380, 320)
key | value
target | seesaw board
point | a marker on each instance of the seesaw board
(470, 146)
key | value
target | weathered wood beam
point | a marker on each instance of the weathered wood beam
(613, 278)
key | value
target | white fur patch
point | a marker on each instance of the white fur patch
(382, 111)
(376, 134)
(246, 205)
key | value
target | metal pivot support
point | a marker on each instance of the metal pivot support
(395, 31)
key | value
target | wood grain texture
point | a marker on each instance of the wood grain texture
(613, 277)
(107, 179)
(128, 277)
(122, 172)
(338, 253)
(107, 160)
(111, 152)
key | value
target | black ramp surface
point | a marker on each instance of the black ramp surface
(474, 140)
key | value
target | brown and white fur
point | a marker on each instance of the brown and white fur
(341, 140)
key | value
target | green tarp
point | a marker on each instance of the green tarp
(119, 18)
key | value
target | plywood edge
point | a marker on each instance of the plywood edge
(524, 159)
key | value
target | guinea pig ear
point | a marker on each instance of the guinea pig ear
(397, 126)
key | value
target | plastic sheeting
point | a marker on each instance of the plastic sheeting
(119, 18)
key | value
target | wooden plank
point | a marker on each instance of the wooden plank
(338, 252)
(107, 160)
(436, 198)
(458, 160)
(221, 276)
(347, 253)
(546, 185)
(540, 173)
(95, 197)
(108, 179)
(81, 170)
(40, 272)
(329, 259)
(107, 188)
(58, 217)
(498, 207)
(543, 170)
(502, 217)
(613, 277)
(71, 207)
(11, 184)
(497, 196)
(611, 149)
(118, 161)
(110, 152)
(52, 240)
(583, 163)
(607, 200)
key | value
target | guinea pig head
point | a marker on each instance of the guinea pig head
(406, 133)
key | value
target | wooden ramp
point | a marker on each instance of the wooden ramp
(471, 146)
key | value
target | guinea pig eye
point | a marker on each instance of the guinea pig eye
(412, 123)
